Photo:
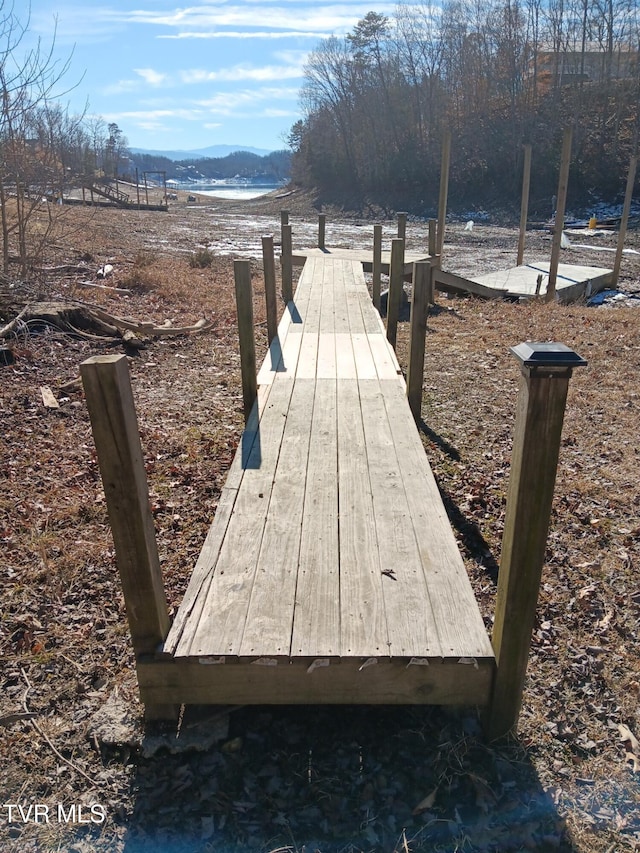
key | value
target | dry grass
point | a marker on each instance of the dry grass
(334, 780)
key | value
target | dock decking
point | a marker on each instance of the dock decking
(363, 256)
(330, 573)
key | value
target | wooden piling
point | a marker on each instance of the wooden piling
(563, 184)
(444, 190)
(631, 177)
(402, 227)
(284, 218)
(524, 203)
(377, 264)
(244, 305)
(286, 263)
(396, 277)
(420, 300)
(107, 388)
(322, 223)
(432, 225)
(546, 370)
(269, 267)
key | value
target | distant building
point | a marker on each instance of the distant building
(569, 67)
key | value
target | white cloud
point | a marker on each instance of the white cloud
(236, 34)
(313, 19)
(270, 112)
(238, 73)
(233, 103)
(153, 78)
(154, 119)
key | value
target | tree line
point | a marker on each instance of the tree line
(496, 75)
(274, 166)
(44, 149)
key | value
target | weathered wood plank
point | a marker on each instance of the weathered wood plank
(190, 610)
(308, 359)
(363, 622)
(224, 613)
(300, 682)
(410, 618)
(316, 627)
(345, 362)
(460, 626)
(269, 620)
(341, 312)
(107, 387)
(384, 357)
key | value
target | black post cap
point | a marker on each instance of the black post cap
(547, 356)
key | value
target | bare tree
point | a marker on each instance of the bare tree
(31, 168)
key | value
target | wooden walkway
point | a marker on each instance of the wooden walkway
(363, 256)
(330, 573)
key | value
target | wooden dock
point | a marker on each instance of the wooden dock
(331, 573)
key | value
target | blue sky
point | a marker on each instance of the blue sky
(186, 77)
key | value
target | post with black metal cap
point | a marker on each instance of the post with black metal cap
(546, 370)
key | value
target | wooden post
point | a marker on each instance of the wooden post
(546, 370)
(396, 277)
(402, 227)
(322, 222)
(444, 190)
(524, 205)
(563, 184)
(420, 300)
(377, 264)
(284, 218)
(631, 177)
(432, 237)
(269, 267)
(244, 305)
(107, 388)
(286, 264)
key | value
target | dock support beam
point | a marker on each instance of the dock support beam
(396, 278)
(244, 304)
(322, 225)
(402, 227)
(524, 203)
(376, 269)
(107, 388)
(286, 264)
(269, 268)
(444, 190)
(563, 186)
(546, 370)
(628, 196)
(421, 298)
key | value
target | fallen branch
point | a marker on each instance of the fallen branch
(8, 329)
(94, 323)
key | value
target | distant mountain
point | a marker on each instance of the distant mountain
(211, 151)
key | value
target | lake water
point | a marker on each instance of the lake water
(222, 189)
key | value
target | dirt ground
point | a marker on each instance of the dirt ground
(315, 779)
